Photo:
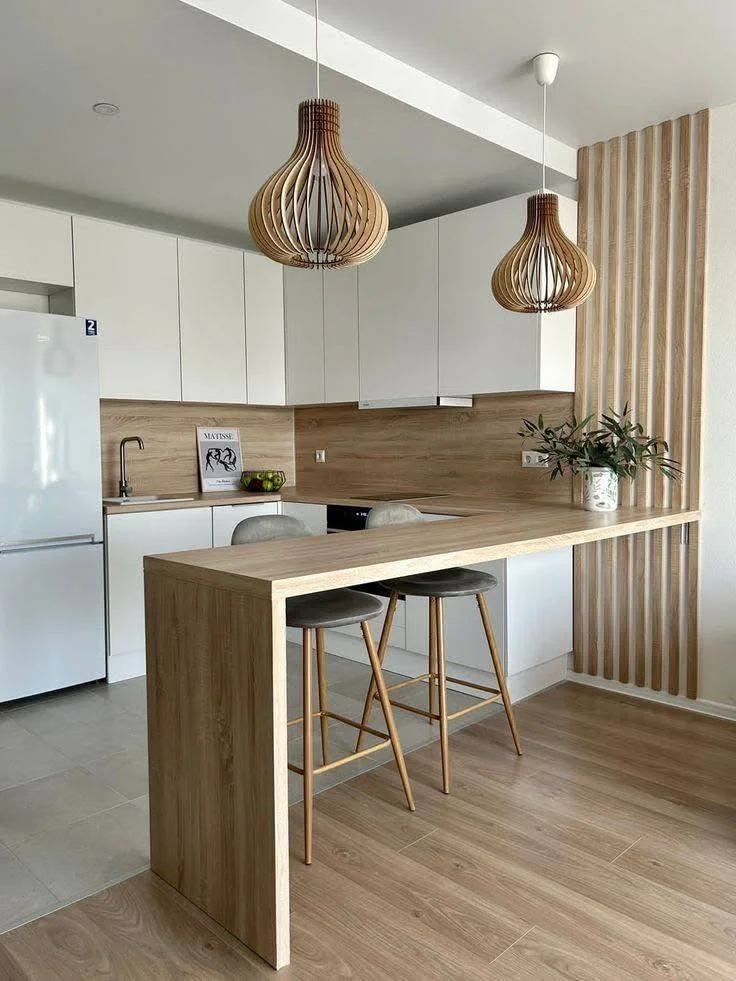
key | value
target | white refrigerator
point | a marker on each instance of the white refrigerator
(52, 623)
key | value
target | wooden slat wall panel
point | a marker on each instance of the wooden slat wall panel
(642, 218)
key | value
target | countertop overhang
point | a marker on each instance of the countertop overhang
(290, 568)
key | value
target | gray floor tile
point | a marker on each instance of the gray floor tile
(52, 802)
(46, 716)
(128, 696)
(142, 803)
(10, 731)
(27, 757)
(22, 896)
(126, 772)
(87, 741)
(85, 857)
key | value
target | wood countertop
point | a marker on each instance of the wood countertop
(291, 568)
(212, 499)
(461, 505)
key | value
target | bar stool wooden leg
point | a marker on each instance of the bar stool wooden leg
(442, 679)
(307, 749)
(387, 712)
(432, 659)
(498, 668)
(382, 646)
(322, 687)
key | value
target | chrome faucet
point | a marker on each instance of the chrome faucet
(125, 487)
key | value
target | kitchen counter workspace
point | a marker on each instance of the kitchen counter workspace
(216, 667)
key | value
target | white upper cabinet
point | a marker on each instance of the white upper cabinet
(305, 340)
(212, 320)
(321, 313)
(127, 279)
(398, 316)
(482, 347)
(264, 330)
(341, 334)
(35, 246)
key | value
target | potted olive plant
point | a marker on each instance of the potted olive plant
(614, 448)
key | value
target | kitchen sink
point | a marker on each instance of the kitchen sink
(146, 499)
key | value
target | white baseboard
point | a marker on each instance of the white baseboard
(521, 685)
(120, 667)
(700, 705)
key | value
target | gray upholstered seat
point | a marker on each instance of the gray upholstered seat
(446, 582)
(336, 608)
(317, 612)
(268, 528)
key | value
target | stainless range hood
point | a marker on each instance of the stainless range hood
(422, 401)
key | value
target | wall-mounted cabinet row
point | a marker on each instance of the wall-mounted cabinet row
(419, 319)
(187, 320)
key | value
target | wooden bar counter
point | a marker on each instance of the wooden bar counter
(216, 659)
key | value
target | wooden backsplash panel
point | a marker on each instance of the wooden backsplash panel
(168, 464)
(432, 450)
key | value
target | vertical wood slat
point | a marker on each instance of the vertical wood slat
(581, 321)
(642, 219)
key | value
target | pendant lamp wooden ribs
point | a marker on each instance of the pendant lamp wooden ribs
(545, 271)
(316, 210)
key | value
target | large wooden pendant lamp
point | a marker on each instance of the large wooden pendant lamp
(317, 211)
(544, 271)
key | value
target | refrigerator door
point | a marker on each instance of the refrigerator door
(50, 481)
(52, 625)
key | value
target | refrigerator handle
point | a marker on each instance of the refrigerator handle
(33, 543)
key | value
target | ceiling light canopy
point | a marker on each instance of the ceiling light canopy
(317, 211)
(545, 271)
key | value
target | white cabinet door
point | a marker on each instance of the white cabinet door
(35, 245)
(264, 330)
(482, 347)
(128, 538)
(305, 341)
(212, 319)
(127, 279)
(539, 608)
(226, 518)
(314, 516)
(465, 639)
(398, 316)
(341, 335)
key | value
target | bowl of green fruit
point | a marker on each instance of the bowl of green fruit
(263, 481)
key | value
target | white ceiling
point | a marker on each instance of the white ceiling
(208, 113)
(626, 63)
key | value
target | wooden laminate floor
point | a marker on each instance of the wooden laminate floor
(607, 852)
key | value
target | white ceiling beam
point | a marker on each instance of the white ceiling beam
(293, 29)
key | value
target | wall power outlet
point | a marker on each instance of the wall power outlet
(531, 458)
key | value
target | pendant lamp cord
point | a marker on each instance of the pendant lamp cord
(316, 42)
(544, 139)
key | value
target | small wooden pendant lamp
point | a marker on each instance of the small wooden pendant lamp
(317, 211)
(544, 271)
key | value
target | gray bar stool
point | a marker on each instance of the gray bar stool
(436, 586)
(318, 612)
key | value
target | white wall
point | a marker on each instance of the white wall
(718, 557)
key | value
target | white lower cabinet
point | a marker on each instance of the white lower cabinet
(314, 516)
(128, 538)
(225, 519)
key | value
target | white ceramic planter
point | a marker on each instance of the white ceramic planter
(600, 489)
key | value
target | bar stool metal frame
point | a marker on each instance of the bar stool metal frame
(304, 610)
(437, 676)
